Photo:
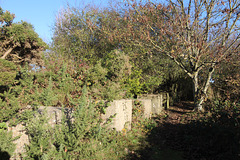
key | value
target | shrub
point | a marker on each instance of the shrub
(7, 72)
(7, 147)
(84, 138)
(8, 107)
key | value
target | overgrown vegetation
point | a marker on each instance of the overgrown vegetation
(6, 142)
(19, 42)
(98, 55)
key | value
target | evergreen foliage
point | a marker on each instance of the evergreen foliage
(6, 143)
(9, 107)
(19, 42)
(83, 137)
(7, 147)
(8, 72)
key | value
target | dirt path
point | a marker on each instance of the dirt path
(182, 134)
(165, 140)
(180, 113)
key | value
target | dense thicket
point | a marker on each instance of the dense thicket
(158, 39)
(197, 36)
(86, 35)
(118, 52)
(112, 52)
(19, 42)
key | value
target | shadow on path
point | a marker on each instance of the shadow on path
(191, 136)
(4, 155)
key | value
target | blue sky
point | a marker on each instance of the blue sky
(41, 13)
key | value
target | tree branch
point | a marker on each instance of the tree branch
(174, 59)
(8, 52)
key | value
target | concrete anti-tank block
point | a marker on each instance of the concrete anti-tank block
(19, 130)
(54, 115)
(147, 105)
(122, 109)
(156, 105)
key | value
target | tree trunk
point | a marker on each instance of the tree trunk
(195, 92)
(201, 94)
(199, 105)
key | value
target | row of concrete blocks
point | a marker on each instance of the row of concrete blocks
(152, 105)
(122, 109)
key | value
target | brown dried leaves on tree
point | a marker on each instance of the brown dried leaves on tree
(196, 35)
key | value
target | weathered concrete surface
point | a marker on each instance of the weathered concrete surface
(147, 105)
(159, 101)
(156, 104)
(122, 109)
(54, 115)
(19, 130)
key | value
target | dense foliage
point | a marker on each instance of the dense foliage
(8, 72)
(98, 55)
(19, 42)
(196, 36)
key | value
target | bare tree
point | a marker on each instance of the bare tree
(196, 34)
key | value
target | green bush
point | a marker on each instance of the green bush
(8, 107)
(134, 84)
(102, 87)
(83, 138)
(48, 97)
(8, 71)
(7, 147)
